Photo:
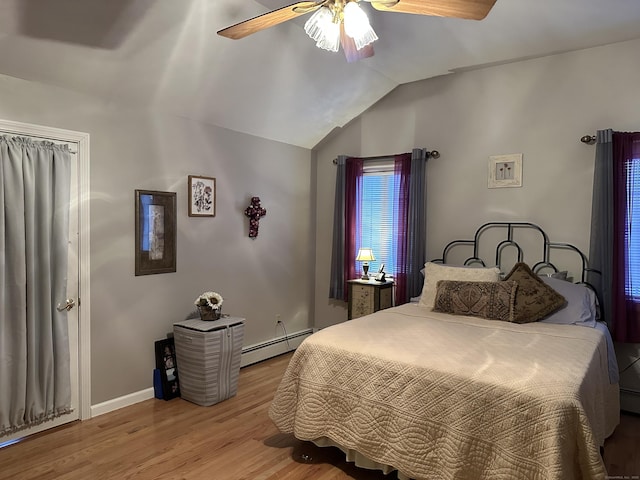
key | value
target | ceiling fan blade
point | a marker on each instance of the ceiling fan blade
(468, 9)
(350, 50)
(269, 19)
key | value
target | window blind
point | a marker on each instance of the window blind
(632, 228)
(378, 222)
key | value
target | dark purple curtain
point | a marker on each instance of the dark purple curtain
(353, 219)
(402, 172)
(625, 323)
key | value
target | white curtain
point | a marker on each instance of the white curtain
(34, 225)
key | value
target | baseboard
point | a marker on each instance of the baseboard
(250, 354)
(121, 402)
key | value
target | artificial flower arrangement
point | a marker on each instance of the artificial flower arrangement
(210, 305)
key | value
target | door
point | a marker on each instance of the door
(69, 303)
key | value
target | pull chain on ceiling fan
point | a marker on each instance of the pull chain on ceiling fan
(343, 22)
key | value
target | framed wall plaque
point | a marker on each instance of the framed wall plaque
(202, 196)
(505, 171)
(155, 249)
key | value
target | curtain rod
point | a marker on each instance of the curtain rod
(588, 139)
(431, 154)
(38, 138)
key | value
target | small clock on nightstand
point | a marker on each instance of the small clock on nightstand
(368, 296)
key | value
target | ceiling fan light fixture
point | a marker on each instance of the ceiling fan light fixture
(318, 22)
(357, 26)
(322, 28)
(331, 39)
(342, 22)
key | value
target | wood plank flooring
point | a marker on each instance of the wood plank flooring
(232, 440)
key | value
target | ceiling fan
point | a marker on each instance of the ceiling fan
(342, 22)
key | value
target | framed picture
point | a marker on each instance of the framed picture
(505, 171)
(167, 365)
(202, 196)
(155, 249)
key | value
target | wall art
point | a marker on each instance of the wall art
(202, 196)
(155, 250)
(254, 211)
(505, 171)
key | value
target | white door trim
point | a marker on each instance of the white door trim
(84, 307)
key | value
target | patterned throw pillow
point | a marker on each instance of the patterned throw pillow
(492, 300)
(534, 298)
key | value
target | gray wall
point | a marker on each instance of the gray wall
(144, 150)
(539, 108)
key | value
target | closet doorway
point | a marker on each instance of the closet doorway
(77, 300)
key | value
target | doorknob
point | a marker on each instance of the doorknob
(69, 304)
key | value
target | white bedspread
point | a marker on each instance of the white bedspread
(441, 397)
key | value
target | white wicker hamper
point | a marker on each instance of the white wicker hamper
(208, 358)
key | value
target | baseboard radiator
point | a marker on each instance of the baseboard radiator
(272, 348)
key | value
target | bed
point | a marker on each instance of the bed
(444, 395)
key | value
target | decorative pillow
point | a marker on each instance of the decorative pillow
(534, 298)
(433, 272)
(581, 304)
(492, 300)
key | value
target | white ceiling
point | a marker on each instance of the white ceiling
(165, 55)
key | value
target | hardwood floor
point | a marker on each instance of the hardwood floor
(232, 440)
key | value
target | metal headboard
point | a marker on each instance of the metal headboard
(547, 247)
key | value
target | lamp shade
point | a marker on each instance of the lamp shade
(322, 28)
(365, 255)
(356, 25)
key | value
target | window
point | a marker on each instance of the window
(377, 215)
(373, 204)
(632, 228)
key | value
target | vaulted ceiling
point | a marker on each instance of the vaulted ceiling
(164, 55)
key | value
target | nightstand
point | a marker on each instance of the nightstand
(368, 296)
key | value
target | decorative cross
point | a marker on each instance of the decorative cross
(254, 212)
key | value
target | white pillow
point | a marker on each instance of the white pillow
(433, 272)
(581, 303)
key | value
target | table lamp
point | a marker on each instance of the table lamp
(365, 255)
